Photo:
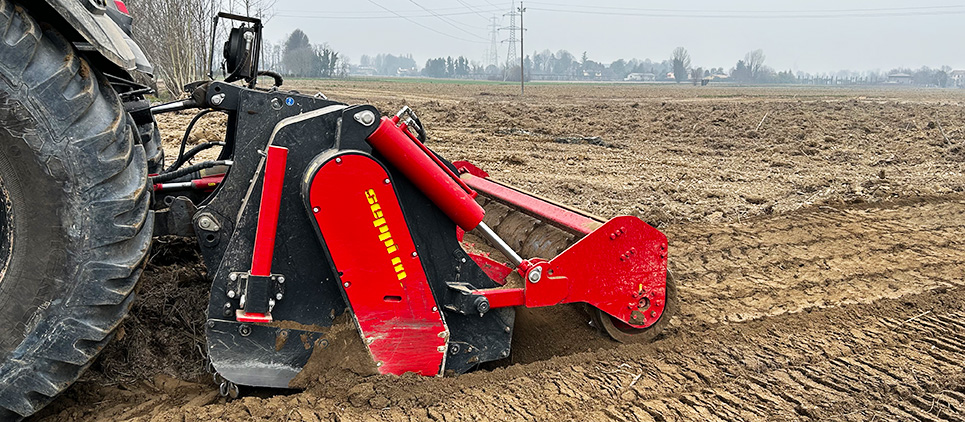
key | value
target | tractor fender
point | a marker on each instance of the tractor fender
(99, 32)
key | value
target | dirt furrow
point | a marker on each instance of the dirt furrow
(817, 258)
(829, 332)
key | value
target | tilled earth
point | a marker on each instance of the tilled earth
(816, 238)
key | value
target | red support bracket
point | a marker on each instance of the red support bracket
(620, 268)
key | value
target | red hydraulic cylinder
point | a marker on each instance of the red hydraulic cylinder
(404, 153)
(275, 163)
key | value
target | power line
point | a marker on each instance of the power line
(324, 15)
(421, 25)
(700, 15)
(447, 21)
(647, 9)
(468, 6)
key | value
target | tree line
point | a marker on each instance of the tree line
(177, 41)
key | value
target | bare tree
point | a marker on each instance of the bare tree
(175, 35)
(681, 62)
(261, 9)
(696, 74)
(754, 61)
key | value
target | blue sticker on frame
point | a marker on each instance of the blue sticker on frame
(289, 101)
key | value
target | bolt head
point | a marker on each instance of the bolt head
(435, 309)
(535, 275)
(386, 181)
(338, 160)
(365, 117)
(279, 296)
(414, 254)
(217, 99)
(346, 284)
(482, 305)
(232, 276)
(315, 209)
(231, 294)
(281, 279)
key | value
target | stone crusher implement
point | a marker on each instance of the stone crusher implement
(330, 212)
(330, 209)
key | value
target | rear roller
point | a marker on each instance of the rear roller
(626, 333)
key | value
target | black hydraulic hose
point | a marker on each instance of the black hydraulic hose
(184, 140)
(278, 79)
(164, 177)
(201, 147)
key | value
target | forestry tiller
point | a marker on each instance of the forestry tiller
(329, 208)
(315, 216)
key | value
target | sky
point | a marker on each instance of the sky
(815, 36)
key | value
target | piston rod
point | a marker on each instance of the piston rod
(498, 242)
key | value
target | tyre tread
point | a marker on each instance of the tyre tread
(105, 176)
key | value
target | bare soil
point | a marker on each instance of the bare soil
(815, 234)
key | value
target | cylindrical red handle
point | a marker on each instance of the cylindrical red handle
(426, 174)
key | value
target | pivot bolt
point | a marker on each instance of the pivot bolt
(535, 275)
(482, 305)
(365, 117)
(217, 99)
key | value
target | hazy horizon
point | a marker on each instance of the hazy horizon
(817, 37)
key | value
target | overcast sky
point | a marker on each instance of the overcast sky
(811, 36)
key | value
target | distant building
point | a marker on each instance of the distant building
(645, 77)
(364, 71)
(957, 78)
(899, 78)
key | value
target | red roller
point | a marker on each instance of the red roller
(430, 177)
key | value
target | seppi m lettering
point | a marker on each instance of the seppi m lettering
(385, 236)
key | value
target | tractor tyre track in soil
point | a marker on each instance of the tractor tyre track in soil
(851, 313)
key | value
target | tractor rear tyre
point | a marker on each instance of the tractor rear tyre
(75, 224)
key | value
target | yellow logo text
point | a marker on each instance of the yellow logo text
(384, 235)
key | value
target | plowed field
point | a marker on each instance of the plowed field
(816, 235)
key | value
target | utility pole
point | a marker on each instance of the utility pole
(522, 51)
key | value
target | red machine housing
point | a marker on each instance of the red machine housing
(359, 216)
